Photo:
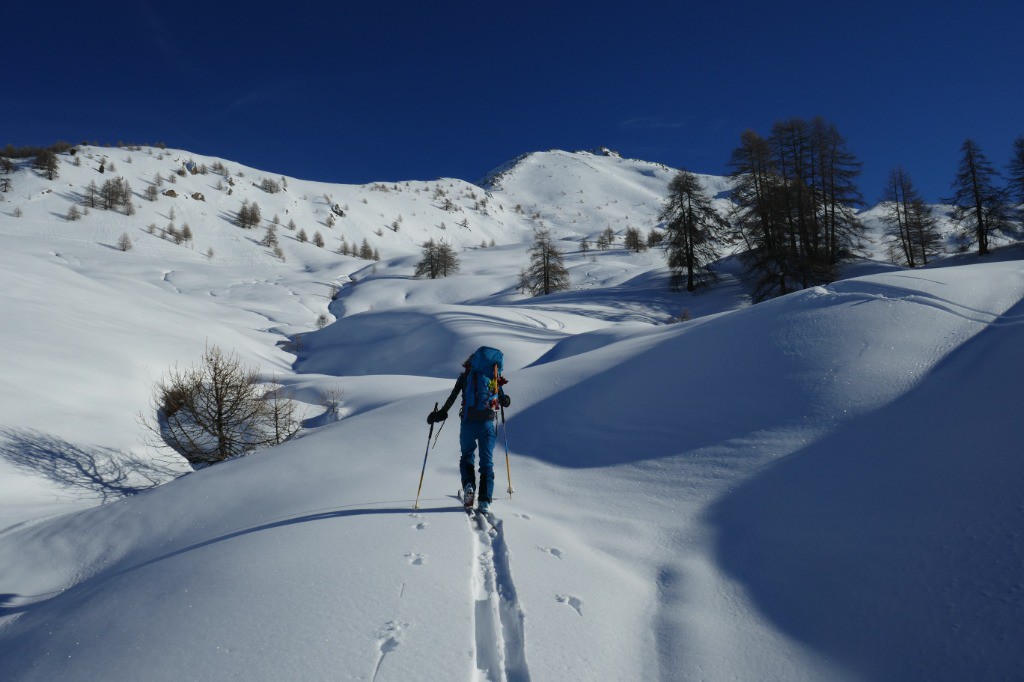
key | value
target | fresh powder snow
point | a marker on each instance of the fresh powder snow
(825, 486)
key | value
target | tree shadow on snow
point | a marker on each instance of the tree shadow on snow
(100, 472)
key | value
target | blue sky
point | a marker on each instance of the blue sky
(355, 93)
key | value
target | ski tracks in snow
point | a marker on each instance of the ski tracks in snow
(497, 616)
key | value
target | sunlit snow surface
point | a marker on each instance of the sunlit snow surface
(824, 486)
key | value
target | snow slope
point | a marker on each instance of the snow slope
(824, 486)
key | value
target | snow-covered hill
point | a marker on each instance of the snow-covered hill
(824, 486)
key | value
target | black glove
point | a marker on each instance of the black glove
(438, 416)
(505, 400)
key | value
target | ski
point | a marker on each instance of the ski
(467, 500)
(488, 518)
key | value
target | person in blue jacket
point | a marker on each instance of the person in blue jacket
(477, 429)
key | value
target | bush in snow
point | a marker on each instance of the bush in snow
(218, 409)
(125, 242)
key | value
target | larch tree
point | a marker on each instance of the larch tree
(693, 229)
(912, 234)
(546, 273)
(216, 410)
(757, 216)
(796, 197)
(1016, 179)
(633, 240)
(977, 198)
(46, 163)
(447, 259)
(439, 260)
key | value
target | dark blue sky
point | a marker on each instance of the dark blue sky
(354, 93)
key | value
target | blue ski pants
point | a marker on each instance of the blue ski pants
(472, 434)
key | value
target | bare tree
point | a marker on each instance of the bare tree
(912, 233)
(218, 409)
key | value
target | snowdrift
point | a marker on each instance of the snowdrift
(791, 491)
(822, 487)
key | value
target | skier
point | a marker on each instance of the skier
(481, 386)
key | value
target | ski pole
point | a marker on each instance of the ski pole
(508, 467)
(438, 436)
(429, 436)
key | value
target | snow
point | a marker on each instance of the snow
(825, 486)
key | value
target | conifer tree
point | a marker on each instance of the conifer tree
(912, 233)
(447, 259)
(546, 273)
(439, 260)
(365, 251)
(633, 240)
(427, 266)
(795, 196)
(46, 163)
(91, 194)
(249, 215)
(977, 198)
(693, 229)
(270, 238)
(1016, 179)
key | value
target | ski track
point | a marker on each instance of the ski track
(498, 618)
